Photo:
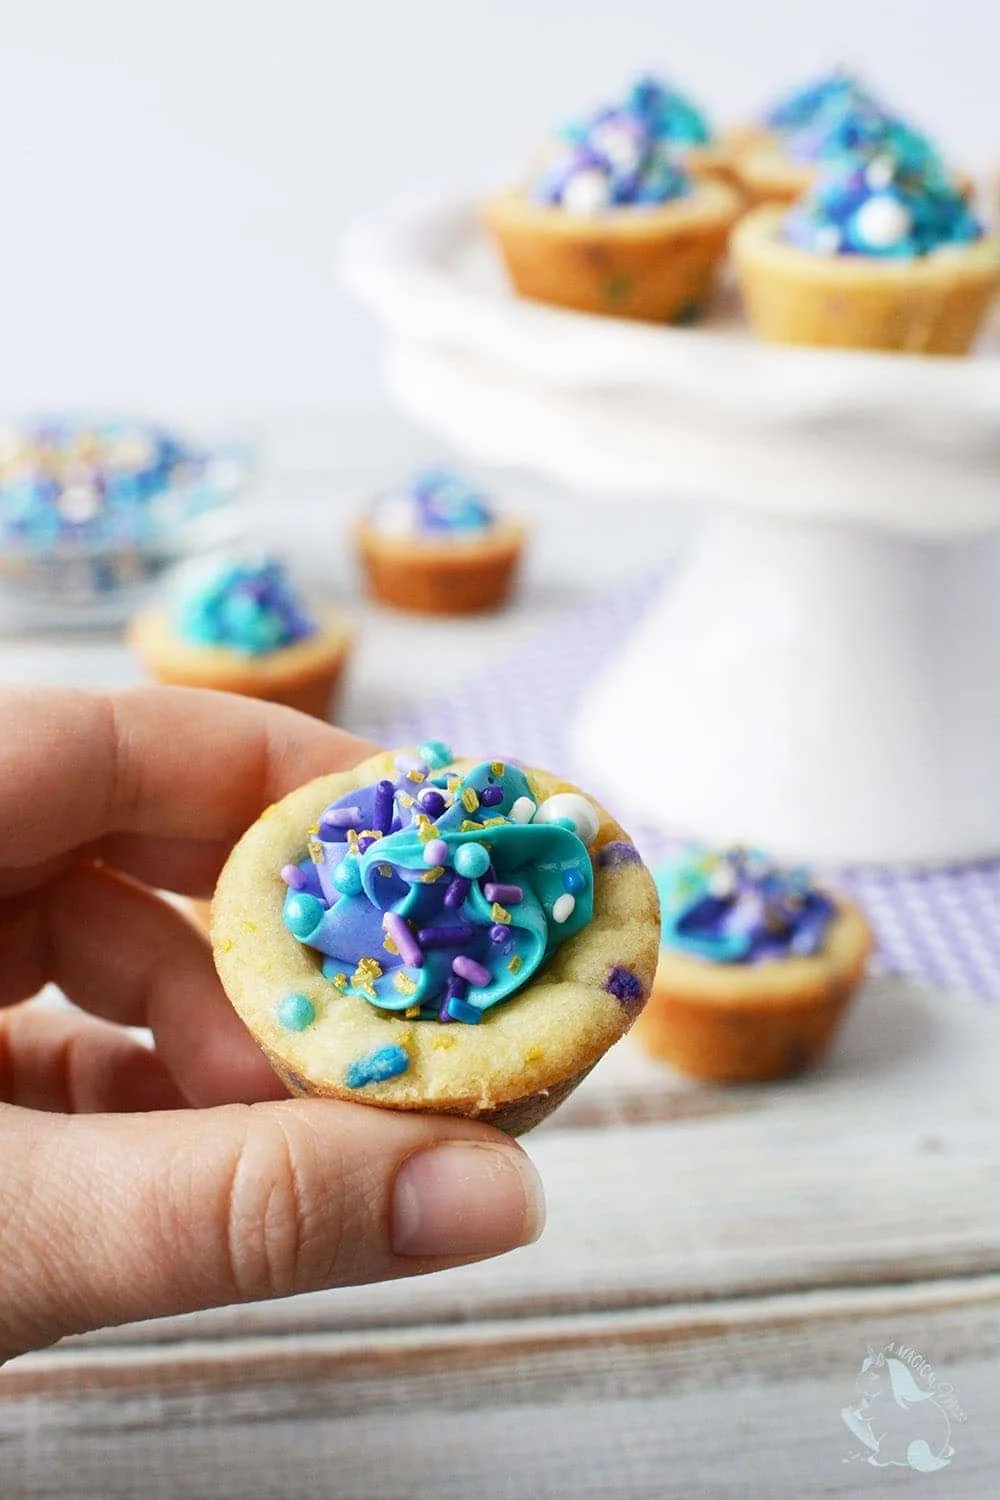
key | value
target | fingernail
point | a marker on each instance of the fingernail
(466, 1199)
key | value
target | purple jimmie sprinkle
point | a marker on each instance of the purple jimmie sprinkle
(456, 893)
(467, 968)
(455, 989)
(624, 985)
(294, 877)
(409, 948)
(383, 806)
(340, 817)
(446, 936)
(507, 895)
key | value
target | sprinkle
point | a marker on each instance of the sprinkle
(341, 817)
(514, 967)
(425, 828)
(563, 907)
(390, 945)
(469, 825)
(339, 981)
(436, 852)
(226, 945)
(302, 914)
(312, 829)
(523, 810)
(249, 926)
(403, 983)
(316, 851)
(497, 767)
(405, 800)
(499, 933)
(386, 871)
(366, 973)
(445, 1041)
(435, 873)
(497, 891)
(470, 799)
(624, 985)
(467, 968)
(453, 783)
(432, 802)
(446, 935)
(472, 860)
(416, 776)
(294, 877)
(411, 1012)
(491, 796)
(461, 1010)
(346, 876)
(456, 893)
(494, 822)
(383, 805)
(377, 1067)
(399, 931)
(617, 852)
(436, 754)
(454, 993)
(533, 1055)
(499, 913)
(295, 1012)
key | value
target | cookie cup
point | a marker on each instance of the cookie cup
(747, 1023)
(932, 304)
(513, 1067)
(305, 675)
(653, 264)
(440, 578)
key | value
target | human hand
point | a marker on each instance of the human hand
(140, 1182)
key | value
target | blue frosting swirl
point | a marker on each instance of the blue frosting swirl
(879, 207)
(436, 894)
(801, 107)
(249, 606)
(437, 504)
(669, 115)
(739, 907)
(848, 125)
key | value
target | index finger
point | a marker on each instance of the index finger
(169, 763)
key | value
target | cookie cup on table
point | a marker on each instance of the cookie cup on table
(748, 1023)
(305, 675)
(931, 304)
(512, 1068)
(654, 264)
(450, 577)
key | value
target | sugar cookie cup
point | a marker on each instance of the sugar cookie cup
(650, 263)
(306, 675)
(456, 575)
(749, 1023)
(511, 1069)
(931, 304)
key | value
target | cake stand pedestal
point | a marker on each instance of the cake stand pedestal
(821, 675)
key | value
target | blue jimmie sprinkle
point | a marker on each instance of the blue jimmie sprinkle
(377, 1067)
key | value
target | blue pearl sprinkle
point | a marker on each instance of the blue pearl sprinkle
(302, 913)
(573, 881)
(295, 1012)
(377, 1067)
(472, 860)
(347, 876)
(435, 754)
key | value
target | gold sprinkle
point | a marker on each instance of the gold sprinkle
(534, 1054)
(405, 800)
(470, 799)
(453, 783)
(312, 829)
(493, 822)
(226, 945)
(469, 824)
(403, 984)
(352, 840)
(389, 944)
(444, 1042)
(404, 1038)
(316, 851)
(497, 767)
(425, 828)
(366, 973)
(499, 913)
(417, 776)
(411, 1012)
(434, 873)
(515, 965)
(249, 926)
(340, 982)
(386, 871)
(369, 833)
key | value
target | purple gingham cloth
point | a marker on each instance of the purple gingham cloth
(941, 926)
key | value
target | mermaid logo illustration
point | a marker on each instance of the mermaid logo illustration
(902, 1413)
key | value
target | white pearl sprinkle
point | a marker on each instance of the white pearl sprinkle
(522, 811)
(878, 173)
(573, 806)
(586, 193)
(563, 908)
(882, 222)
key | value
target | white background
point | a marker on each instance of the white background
(177, 176)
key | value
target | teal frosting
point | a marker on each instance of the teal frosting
(247, 606)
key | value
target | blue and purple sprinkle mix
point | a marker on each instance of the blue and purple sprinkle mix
(740, 907)
(615, 159)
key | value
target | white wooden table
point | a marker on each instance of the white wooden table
(692, 1323)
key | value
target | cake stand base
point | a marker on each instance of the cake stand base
(823, 689)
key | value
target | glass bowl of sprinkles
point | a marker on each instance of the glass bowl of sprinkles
(94, 510)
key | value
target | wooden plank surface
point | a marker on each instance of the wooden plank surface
(736, 1400)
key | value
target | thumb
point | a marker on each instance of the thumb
(109, 1218)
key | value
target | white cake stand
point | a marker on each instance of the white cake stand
(822, 675)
